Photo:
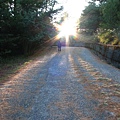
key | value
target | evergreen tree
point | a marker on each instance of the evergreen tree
(24, 24)
(90, 18)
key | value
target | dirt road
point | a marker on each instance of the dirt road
(69, 85)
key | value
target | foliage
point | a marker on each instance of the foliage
(101, 1)
(86, 38)
(108, 37)
(106, 18)
(111, 14)
(111, 18)
(25, 24)
(90, 18)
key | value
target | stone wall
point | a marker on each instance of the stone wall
(108, 52)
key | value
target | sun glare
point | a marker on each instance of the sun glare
(74, 10)
(67, 28)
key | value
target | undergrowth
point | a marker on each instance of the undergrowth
(10, 66)
(108, 37)
(86, 38)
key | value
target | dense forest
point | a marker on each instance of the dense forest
(101, 18)
(25, 25)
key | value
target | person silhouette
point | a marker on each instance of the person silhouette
(59, 45)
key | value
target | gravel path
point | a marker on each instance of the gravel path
(69, 85)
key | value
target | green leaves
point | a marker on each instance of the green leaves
(111, 12)
(90, 18)
(102, 18)
(27, 20)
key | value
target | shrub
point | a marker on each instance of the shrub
(108, 37)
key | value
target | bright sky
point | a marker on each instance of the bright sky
(74, 9)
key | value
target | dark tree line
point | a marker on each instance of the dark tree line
(102, 17)
(25, 25)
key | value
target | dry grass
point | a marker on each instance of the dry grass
(13, 65)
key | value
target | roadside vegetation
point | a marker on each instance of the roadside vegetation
(101, 19)
(25, 25)
(10, 66)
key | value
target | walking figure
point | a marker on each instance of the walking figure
(59, 45)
